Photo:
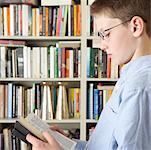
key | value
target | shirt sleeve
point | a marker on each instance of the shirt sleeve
(80, 144)
(133, 129)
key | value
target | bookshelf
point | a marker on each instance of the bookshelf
(82, 82)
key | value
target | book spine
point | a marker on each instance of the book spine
(1, 21)
(47, 20)
(67, 62)
(2, 101)
(90, 107)
(78, 20)
(59, 103)
(56, 62)
(10, 94)
(96, 105)
(50, 21)
(63, 62)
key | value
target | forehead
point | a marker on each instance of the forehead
(104, 21)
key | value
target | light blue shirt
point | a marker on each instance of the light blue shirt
(125, 122)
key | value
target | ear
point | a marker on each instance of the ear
(137, 26)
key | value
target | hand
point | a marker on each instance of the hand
(58, 129)
(37, 144)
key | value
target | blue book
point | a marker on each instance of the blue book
(96, 104)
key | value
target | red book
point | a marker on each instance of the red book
(67, 62)
(109, 66)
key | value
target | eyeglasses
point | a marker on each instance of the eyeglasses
(105, 35)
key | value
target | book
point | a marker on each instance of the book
(34, 125)
(56, 2)
(29, 2)
(90, 2)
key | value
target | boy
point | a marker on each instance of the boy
(125, 122)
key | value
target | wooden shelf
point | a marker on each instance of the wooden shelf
(48, 121)
(34, 38)
(102, 79)
(38, 80)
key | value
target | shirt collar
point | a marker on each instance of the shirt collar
(133, 66)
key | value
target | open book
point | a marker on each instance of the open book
(34, 125)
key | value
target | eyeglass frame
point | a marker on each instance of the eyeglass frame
(101, 33)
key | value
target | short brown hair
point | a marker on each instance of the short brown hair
(125, 10)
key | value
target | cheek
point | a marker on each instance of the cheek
(121, 49)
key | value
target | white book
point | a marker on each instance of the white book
(104, 97)
(3, 51)
(20, 101)
(12, 19)
(28, 101)
(56, 2)
(33, 62)
(91, 93)
(88, 21)
(59, 103)
(29, 62)
(32, 98)
(25, 20)
(44, 103)
(25, 61)
(52, 55)
(49, 104)
(36, 62)
(43, 62)
(19, 20)
(10, 95)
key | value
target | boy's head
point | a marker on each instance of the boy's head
(122, 21)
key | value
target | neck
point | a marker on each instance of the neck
(143, 47)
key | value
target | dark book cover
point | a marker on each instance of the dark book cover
(9, 63)
(20, 62)
(20, 132)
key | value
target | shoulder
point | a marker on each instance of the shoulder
(140, 81)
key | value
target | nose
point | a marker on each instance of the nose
(103, 45)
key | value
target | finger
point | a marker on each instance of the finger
(49, 138)
(34, 141)
(54, 127)
(57, 128)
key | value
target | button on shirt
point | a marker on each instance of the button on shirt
(125, 122)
